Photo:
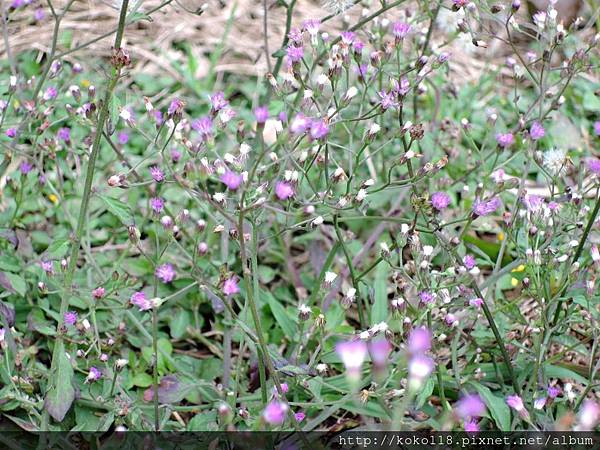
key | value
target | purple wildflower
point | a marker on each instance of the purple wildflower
(261, 114)
(165, 272)
(589, 415)
(230, 286)
(419, 340)
(505, 140)
(553, 391)
(175, 155)
(476, 302)
(537, 131)
(312, 26)
(204, 126)
(50, 93)
(139, 299)
(597, 128)
(98, 293)
(516, 403)
(274, 413)
(218, 102)
(300, 124)
(426, 297)
(593, 165)
(16, 4)
(294, 54)
(123, 137)
(471, 426)
(380, 351)
(64, 134)
(284, 190)
(39, 14)
(11, 133)
(348, 37)
(175, 107)
(231, 179)
(299, 416)
(157, 174)
(318, 129)
(352, 354)
(440, 200)
(157, 204)
(470, 406)
(387, 100)
(25, 167)
(483, 208)
(48, 267)
(419, 367)
(94, 374)
(70, 318)
(469, 261)
(400, 30)
(295, 35)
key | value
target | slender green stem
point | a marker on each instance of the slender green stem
(74, 255)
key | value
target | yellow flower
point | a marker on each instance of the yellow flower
(53, 198)
(86, 83)
(501, 236)
(520, 268)
(514, 282)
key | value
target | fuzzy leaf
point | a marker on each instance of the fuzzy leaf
(61, 395)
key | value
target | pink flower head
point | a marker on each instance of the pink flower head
(175, 108)
(11, 133)
(261, 114)
(64, 134)
(318, 129)
(300, 124)
(537, 131)
(157, 204)
(231, 179)
(230, 286)
(387, 100)
(70, 318)
(294, 54)
(284, 190)
(139, 299)
(589, 415)
(483, 208)
(469, 261)
(48, 267)
(352, 354)
(274, 413)
(420, 366)
(426, 297)
(533, 203)
(470, 406)
(157, 174)
(165, 273)
(295, 35)
(25, 167)
(597, 128)
(516, 403)
(476, 302)
(440, 200)
(284, 389)
(312, 26)
(460, 3)
(98, 293)
(123, 137)
(419, 340)
(204, 127)
(400, 30)
(471, 426)
(218, 102)
(593, 165)
(50, 93)
(348, 37)
(505, 140)
(380, 351)
(299, 416)
(553, 391)
(94, 374)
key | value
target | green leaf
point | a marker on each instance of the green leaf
(496, 406)
(379, 311)
(179, 323)
(13, 283)
(119, 209)
(281, 316)
(61, 395)
(58, 248)
(425, 392)
(142, 380)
